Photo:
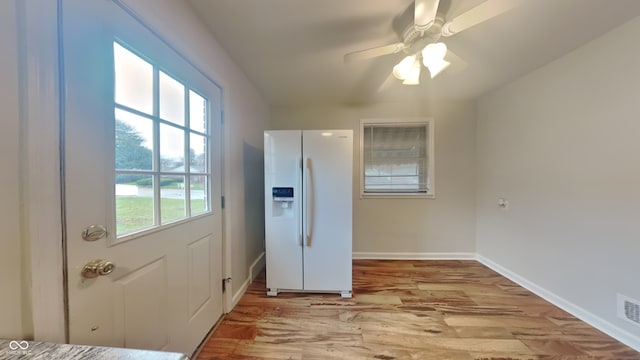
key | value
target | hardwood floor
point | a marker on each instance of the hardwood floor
(408, 310)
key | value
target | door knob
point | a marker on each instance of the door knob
(98, 267)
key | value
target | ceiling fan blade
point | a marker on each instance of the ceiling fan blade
(425, 13)
(457, 64)
(476, 15)
(374, 52)
(388, 82)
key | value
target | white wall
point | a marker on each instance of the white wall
(423, 227)
(246, 117)
(12, 287)
(562, 145)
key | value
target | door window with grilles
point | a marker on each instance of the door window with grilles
(396, 158)
(161, 146)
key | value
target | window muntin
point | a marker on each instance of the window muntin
(161, 138)
(397, 157)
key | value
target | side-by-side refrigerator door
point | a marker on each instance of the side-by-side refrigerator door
(327, 214)
(283, 228)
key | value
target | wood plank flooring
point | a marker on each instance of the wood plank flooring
(408, 310)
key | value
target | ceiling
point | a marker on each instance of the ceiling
(292, 50)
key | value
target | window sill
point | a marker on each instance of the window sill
(396, 196)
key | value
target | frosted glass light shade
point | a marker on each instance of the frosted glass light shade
(436, 68)
(413, 76)
(434, 52)
(433, 58)
(404, 68)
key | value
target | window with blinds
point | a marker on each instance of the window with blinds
(397, 157)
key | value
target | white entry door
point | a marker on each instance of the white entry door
(142, 184)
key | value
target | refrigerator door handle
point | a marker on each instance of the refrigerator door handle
(308, 201)
(299, 203)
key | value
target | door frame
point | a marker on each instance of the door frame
(42, 211)
(42, 118)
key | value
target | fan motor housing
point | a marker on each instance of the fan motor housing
(411, 35)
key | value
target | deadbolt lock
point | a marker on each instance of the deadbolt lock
(94, 232)
(98, 267)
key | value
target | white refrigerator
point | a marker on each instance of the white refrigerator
(308, 210)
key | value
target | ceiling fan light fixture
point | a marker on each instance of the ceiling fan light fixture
(433, 58)
(434, 52)
(404, 68)
(436, 68)
(429, 24)
(413, 77)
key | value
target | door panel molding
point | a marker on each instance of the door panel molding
(199, 274)
(148, 317)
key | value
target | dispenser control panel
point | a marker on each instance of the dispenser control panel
(282, 193)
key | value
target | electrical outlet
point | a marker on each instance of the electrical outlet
(503, 203)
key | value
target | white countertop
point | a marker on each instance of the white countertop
(33, 350)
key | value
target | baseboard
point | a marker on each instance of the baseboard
(255, 269)
(238, 295)
(258, 265)
(415, 255)
(599, 323)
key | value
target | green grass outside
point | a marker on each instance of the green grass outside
(136, 213)
(172, 185)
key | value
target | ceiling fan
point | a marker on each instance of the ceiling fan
(420, 36)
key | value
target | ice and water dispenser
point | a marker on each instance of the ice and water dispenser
(282, 201)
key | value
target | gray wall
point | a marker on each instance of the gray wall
(445, 224)
(562, 145)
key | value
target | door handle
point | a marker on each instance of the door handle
(309, 202)
(299, 202)
(98, 267)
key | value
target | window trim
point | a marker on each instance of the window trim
(430, 123)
